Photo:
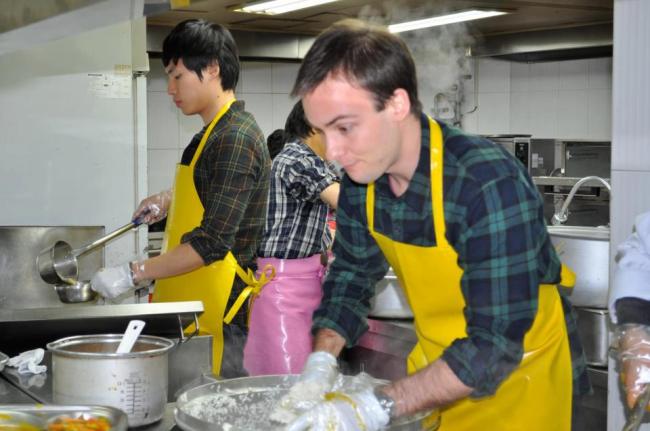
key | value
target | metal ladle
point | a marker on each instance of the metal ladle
(58, 264)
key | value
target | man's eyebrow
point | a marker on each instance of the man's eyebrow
(170, 69)
(337, 118)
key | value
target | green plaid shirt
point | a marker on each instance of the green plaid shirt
(494, 221)
(232, 178)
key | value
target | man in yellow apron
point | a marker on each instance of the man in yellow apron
(462, 225)
(217, 206)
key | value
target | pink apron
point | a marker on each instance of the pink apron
(279, 331)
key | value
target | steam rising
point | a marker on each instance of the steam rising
(439, 52)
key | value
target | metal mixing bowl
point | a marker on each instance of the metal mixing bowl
(246, 403)
(77, 292)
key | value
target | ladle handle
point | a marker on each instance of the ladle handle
(130, 336)
(93, 245)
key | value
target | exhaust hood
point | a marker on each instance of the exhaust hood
(571, 43)
(24, 23)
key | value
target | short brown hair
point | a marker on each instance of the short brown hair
(377, 60)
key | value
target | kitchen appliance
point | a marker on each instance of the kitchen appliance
(246, 403)
(517, 145)
(88, 370)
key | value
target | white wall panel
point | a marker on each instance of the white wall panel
(283, 77)
(574, 74)
(544, 76)
(67, 154)
(599, 104)
(162, 121)
(257, 76)
(494, 113)
(572, 117)
(494, 76)
(519, 77)
(543, 113)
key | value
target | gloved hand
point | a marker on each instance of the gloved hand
(154, 208)
(317, 378)
(344, 412)
(634, 353)
(112, 282)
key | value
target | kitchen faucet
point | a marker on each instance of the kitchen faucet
(561, 216)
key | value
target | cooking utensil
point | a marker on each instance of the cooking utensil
(88, 370)
(80, 291)
(130, 336)
(58, 264)
(245, 404)
(638, 411)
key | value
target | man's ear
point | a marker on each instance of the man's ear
(212, 71)
(399, 104)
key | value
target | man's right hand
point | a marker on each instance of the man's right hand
(635, 358)
(317, 378)
(154, 208)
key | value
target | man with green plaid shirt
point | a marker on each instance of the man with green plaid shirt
(461, 223)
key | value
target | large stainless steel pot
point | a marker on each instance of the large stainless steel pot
(586, 251)
(86, 370)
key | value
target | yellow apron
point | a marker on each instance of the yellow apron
(210, 284)
(537, 395)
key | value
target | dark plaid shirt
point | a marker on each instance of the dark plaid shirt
(494, 221)
(296, 222)
(232, 181)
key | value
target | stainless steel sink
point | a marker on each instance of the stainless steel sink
(586, 251)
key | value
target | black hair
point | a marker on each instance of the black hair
(199, 44)
(275, 142)
(370, 56)
(297, 127)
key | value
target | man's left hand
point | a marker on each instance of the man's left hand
(344, 412)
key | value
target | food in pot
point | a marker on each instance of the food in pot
(79, 424)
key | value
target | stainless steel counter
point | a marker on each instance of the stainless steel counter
(382, 350)
(38, 326)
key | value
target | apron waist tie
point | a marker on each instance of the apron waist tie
(253, 287)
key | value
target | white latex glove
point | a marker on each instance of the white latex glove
(154, 208)
(634, 353)
(344, 412)
(112, 282)
(317, 378)
(27, 362)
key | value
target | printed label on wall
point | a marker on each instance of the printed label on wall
(110, 85)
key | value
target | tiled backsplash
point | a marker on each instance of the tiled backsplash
(567, 99)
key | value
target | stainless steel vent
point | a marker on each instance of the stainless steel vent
(549, 45)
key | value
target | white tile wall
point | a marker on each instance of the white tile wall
(564, 99)
(264, 86)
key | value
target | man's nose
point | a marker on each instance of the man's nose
(171, 87)
(333, 149)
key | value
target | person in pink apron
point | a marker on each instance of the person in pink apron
(303, 188)
(216, 208)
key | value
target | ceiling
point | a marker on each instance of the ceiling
(526, 15)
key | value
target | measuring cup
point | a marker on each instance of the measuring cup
(58, 264)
